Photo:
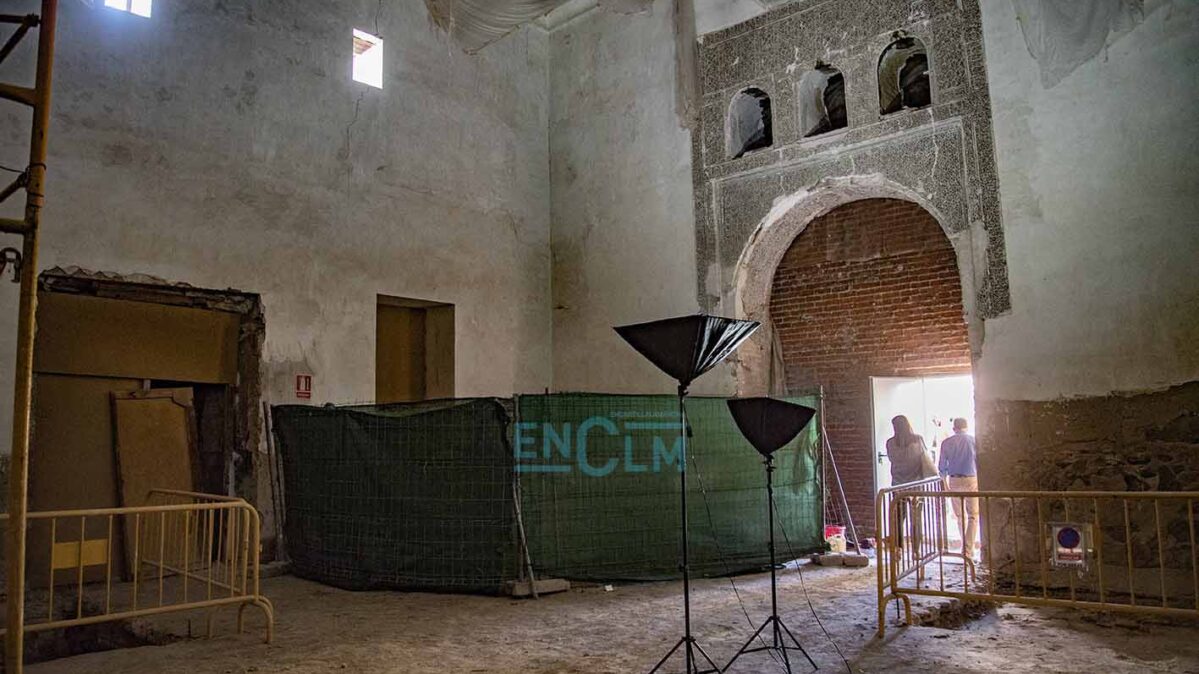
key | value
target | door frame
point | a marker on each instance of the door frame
(873, 412)
(247, 417)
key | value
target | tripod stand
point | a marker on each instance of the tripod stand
(778, 642)
(688, 643)
(684, 348)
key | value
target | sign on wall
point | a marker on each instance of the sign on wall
(1071, 544)
(304, 386)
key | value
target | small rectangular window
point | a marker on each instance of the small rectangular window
(138, 7)
(368, 59)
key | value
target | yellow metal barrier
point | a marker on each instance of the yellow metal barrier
(909, 540)
(182, 552)
(1132, 552)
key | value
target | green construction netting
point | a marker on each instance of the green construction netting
(600, 488)
(421, 496)
(399, 496)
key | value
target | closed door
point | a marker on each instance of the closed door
(400, 354)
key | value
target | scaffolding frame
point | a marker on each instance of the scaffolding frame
(32, 180)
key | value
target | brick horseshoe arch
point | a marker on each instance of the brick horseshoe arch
(790, 216)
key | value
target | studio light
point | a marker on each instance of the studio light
(769, 425)
(685, 348)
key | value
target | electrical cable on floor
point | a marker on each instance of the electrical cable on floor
(804, 587)
(724, 561)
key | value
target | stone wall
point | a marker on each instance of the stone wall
(941, 154)
(1138, 442)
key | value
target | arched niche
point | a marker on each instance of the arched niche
(821, 93)
(903, 76)
(749, 123)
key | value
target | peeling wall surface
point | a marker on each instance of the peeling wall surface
(1090, 381)
(623, 232)
(1098, 183)
(224, 144)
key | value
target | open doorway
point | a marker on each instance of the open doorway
(931, 403)
(101, 335)
(869, 289)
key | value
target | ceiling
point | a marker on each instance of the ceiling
(474, 24)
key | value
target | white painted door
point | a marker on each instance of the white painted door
(930, 403)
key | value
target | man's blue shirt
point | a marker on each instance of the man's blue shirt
(958, 456)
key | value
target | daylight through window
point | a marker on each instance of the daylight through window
(368, 59)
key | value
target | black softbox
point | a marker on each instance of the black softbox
(684, 348)
(687, 346)
(767, 423)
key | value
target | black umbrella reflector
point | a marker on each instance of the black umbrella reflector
(767, 423)
(687, 346)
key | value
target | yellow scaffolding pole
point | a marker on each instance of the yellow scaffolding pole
(33, 181)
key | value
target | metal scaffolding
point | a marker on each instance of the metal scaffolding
(32, 180)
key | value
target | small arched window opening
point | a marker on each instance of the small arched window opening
(749, 123)
(822, 101)
(903, 76)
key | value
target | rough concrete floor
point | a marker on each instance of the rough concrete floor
(321, 629)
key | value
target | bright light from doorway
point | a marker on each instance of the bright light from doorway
(368, 59)
(138, 7)
(931, 403)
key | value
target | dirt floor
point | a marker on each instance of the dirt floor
(321, 629)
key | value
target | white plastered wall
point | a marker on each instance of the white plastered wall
(1099, 188)
(623, 224)
(231, 149)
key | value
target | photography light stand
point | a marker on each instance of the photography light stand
(769, 424)
(688, 643)
(685, 348)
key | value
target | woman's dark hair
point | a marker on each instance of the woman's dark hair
(903, 430)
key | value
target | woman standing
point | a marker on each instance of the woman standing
(910, 462)
(909, 457)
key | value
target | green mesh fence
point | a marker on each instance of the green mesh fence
(399, 496)
(599, 477)
(421, 496)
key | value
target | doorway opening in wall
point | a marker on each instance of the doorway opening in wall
(132, 370)
(414, 350)
(870, 288)
(930, 403)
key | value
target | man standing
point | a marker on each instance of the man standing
(958, 465)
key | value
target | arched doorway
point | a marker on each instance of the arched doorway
(866, 303)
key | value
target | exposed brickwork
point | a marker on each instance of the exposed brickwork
(869, 289)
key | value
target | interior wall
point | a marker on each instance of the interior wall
(623, 231)
(1097, 187)
(869, 289)
(179, 149)
(713, 15)
(1094, 191)
(231, 149)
